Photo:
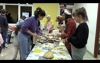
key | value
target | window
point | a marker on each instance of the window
(15, 10)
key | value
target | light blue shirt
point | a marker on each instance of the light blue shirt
(21, 20)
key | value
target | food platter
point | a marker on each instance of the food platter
(41, 41)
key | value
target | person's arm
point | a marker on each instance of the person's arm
(78, 39)
(5, 22)
(63, 26)
(25, 26)
(1, 39)
(33, 34)
(59, 26)
(40, 33)
(70, 26)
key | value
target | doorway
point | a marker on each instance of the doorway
(96, 48)
(12, 14)
(1, 7)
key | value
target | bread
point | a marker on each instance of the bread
(51, 34)
(48, 55)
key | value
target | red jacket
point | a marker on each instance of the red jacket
(71, 27)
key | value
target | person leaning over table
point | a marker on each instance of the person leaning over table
(28, 29)
(70, 28)
(35, 38)
(79, 38)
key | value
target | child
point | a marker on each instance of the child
(79, 38)
(1, 42)
(59, 19)
(9, 35)
(16, 41)
(49, 24)
(21, 20)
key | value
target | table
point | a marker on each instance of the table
(39, 50)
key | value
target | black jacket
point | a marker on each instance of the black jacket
(3, 23)
(80, 36)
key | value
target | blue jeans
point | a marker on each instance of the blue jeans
(4, 34)
(8, 38)
(24, 45)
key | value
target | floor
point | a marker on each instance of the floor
(9, 53)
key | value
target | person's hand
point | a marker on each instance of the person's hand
(41, 30)
(59, 26)
(48, 29)
(35, 35)
(66, 39)
(45, 36)
(48, 38)
(62, 28)
(58, 35)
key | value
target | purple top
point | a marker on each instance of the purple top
(30, 24)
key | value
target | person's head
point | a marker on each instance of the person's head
(62, 6)
(80, 14)
(39, 13)
(9, 27)
(48, 17)
(18, 27)
(23, 17)
(3, 11)
(66, 14)
(59, 18)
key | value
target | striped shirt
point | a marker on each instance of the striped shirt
(30, 24)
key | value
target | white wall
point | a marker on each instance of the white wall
(91, 9)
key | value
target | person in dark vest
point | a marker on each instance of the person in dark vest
(4, 26)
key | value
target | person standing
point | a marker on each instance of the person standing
(79, 38)
(16, 42)
(35, 38)
(9, 33)
(70, 28)
(49, 24)
(21, 21)
(4, 26)
(28, 29)
(63, 8)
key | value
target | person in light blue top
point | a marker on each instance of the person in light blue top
(21, 21)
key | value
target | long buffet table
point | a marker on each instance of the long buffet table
(59, 51)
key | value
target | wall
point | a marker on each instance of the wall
(51, 9)
(13, 10)
(91, 9)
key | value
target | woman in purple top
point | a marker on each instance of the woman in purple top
(28, 29)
